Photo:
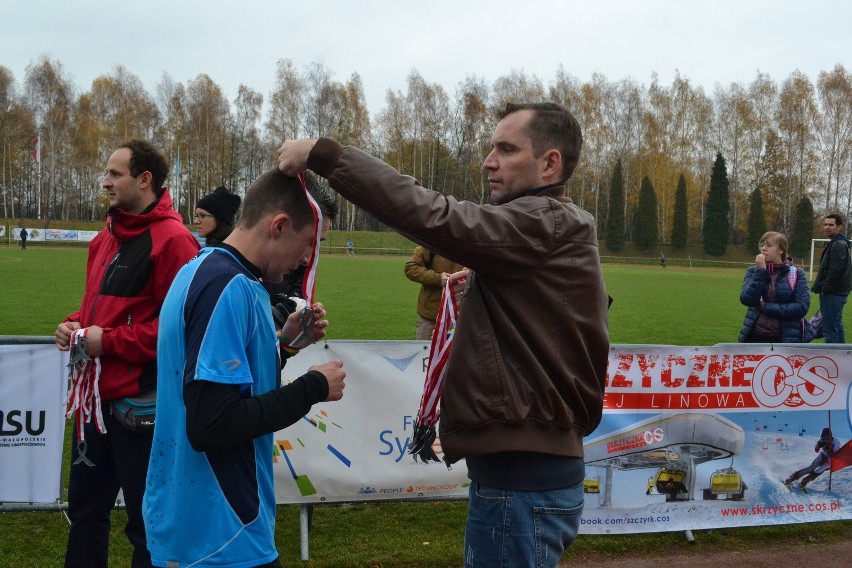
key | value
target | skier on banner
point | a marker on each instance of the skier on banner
(825, 448)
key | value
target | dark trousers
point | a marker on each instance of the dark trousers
(120, 460)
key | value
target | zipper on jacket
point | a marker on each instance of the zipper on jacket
(101, 286)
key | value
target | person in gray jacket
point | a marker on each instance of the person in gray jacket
(834, 279)
(525, 376)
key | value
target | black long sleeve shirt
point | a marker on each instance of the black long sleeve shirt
(219, 416)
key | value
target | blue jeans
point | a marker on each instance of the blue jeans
(831, 307)
(509, 529)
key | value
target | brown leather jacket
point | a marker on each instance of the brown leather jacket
(527, 367)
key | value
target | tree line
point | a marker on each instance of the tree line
(779, 142)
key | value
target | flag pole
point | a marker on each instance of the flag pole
(37, 155)
(830, 452)
(177, 182)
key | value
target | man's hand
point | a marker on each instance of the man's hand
(63, 334)
(293, 156)
(293, 331)
(94, 345)
(334, 374)
(458, 282)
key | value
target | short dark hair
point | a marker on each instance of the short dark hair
(551, 126)
(145, 158)
(838, 218)
(279, 193)
(323, 196)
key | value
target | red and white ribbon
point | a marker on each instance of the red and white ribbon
(309, 283)
(84, 396)
(439, 351)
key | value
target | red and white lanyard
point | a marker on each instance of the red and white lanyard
(309, 283)
(306, 321)
(84, 396)
(427, 415)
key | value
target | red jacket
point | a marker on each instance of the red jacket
(130, 268)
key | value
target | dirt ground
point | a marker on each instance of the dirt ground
(806, 555)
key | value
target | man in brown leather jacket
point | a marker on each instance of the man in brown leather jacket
(525, 376)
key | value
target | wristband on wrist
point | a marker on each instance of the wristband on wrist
(289, 349)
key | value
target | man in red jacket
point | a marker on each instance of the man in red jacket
(130, 267)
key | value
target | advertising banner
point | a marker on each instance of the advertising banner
(32, 422)
(691, 437)
(701, 437)
(86, 236)
(355, 449)
(60, 234)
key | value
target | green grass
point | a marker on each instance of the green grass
(368, 297)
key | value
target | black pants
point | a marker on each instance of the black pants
(120, 460)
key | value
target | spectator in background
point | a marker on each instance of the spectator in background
(130, 267)
(349, 251)
(23, 237)
(777, 296)
(214, 215)
(431, 271)
(834, 279)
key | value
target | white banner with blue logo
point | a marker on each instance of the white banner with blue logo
(32, 422)
(355, 449)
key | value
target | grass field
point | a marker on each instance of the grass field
(368, 297)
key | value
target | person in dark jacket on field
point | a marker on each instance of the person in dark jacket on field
(834, 279)
(525, 375)
(777, 296)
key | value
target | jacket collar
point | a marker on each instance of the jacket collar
(546, 190)
(126, 225)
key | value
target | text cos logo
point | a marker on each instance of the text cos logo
(653, 436)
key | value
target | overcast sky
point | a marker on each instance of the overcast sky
(239, 41)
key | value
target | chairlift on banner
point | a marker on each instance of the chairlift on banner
(726, 483)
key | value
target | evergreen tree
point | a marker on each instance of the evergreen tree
(716, 223)
(756, 218)
(803, 229)
(680, 221)
(646, 216)
(773, 181)
(615, 219)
